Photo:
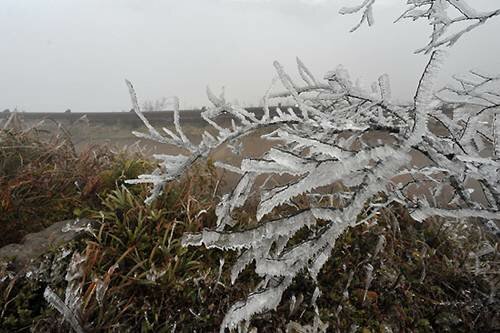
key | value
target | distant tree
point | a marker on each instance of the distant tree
(157, 105)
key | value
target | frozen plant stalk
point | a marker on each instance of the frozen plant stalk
(325, 142)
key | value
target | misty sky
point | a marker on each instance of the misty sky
(75, 54)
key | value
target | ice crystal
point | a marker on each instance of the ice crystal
(70, 307)
(324, 147)
(441, 15)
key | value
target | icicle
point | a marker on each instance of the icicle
(102, 285)
(258, 302)
(70, 307)
(421, 214)
(385, 87)
(252, 237)
(368, 280)
(305, 74)
(214, 99)
(67, 313)
(497, 134)
(177, 124)
(379, 246)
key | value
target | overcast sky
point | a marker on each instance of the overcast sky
(59, 54)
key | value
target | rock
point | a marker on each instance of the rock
(35, 244)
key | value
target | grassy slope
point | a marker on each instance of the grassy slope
(424, 280)
(46, 180)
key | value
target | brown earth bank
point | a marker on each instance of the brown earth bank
(115, 129)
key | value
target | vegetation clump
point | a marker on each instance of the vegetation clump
(391, 274)
(45, 180)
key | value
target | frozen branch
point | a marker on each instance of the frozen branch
(353, 145)
(442, 15)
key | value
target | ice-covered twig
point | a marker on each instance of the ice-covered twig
(442, 15)
(344, 137)
(367, 7)
(70, 307)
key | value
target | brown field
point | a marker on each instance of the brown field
(115, 129)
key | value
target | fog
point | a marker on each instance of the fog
(75, 54)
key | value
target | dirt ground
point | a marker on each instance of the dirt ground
(116, 130)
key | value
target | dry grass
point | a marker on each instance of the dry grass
(45, 180)
(427, 277)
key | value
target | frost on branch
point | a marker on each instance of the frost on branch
(445, 16)
(367, 7)
(354, 146)
(172, 166)
(70, 307)
(326, 149)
